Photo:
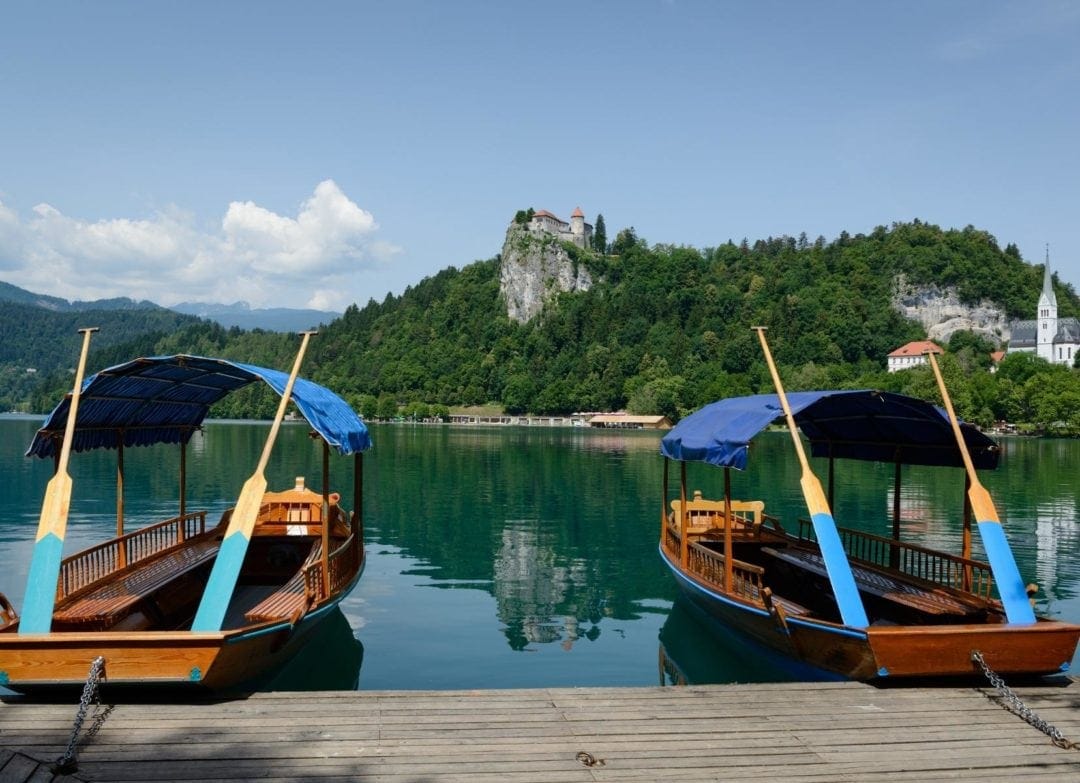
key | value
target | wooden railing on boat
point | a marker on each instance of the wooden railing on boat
(306, 589)
(85, 568)
(930, 565)
(709, 565)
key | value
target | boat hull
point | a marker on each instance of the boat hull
(888, 652)
(214, 662)
(219, 663)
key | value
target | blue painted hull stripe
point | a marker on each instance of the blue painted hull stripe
(854, 633)
(219, 588)
(839, 570)
(1007, 576)
(40, 596)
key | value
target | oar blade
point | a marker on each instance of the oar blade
(852, 611)
(1003, 566)
(40, 598)
(230, 558)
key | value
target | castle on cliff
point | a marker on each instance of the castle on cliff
(576, 231)
(1055, 339)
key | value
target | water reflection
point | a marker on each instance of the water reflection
(526, 557)
(533, 589)
(695, 650)
(330, 660)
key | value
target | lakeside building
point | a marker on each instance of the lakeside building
(1055, 339)
(911, 355)
(626, 421)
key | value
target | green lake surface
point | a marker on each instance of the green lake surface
(517, 557)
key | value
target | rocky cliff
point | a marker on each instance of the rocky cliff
(536, 267)
(942, 313)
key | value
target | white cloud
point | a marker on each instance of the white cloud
(257, 255)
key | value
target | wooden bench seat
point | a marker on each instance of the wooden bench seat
(290, 600)
(702, 515)
(109, 602)
(929, 600)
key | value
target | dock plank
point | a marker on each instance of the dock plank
(798, 732)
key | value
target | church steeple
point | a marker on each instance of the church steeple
(1048, 285)
(1048, 315)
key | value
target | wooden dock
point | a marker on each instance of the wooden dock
(797, 732)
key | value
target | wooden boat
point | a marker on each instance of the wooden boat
(834, 600)
(184, 602)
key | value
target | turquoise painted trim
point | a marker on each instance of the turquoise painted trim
(196, 674)
(40, 598)
(5, 678)
(851, 632)
(220, 586)
(883, 672)
(1010, 586)
(852, 611)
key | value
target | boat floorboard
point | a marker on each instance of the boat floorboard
(798, 732)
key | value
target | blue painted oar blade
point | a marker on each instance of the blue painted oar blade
(222, 582)
(1007, 576)
(852, 611)
(851, 607)
(41, 585)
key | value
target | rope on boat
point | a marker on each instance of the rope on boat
(1013, 703)
(69, 763)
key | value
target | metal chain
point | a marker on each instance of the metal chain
(1014, 704)
(69, 763)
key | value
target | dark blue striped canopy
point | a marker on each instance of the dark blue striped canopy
(864, 425)
(163, 399)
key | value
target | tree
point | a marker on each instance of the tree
(599, 235)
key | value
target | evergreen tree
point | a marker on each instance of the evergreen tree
(599, 236)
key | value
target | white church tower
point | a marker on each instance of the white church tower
(1048, 316)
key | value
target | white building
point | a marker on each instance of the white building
(577, 230)
(1055, 339)
(911, 355)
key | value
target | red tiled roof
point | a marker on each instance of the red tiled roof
(578, 213)
(917, 348)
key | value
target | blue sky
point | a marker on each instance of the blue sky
(317, 154)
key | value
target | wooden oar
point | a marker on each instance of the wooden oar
(851, 607)
(52, 526)
(219, 588)
(1002, 563)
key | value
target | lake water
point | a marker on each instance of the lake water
(527, 557)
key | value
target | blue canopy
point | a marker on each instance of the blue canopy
(163, 399)
(864, 425)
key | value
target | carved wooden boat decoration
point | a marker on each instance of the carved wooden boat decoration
(184, 602)
(902, 610)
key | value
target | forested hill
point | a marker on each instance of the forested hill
(665, 329)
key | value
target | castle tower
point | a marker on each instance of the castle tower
(577, 227)
(1048, 315)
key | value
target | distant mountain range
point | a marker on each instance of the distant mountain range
(271, 319)
(239, 314)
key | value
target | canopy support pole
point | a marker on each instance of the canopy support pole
(121, 556)
(358, 504)
(663, 507)
(729, 574)
(183, 487)
(684, 545)
(832, 479)
(894, 551)
(966, 552)
(325, 516)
